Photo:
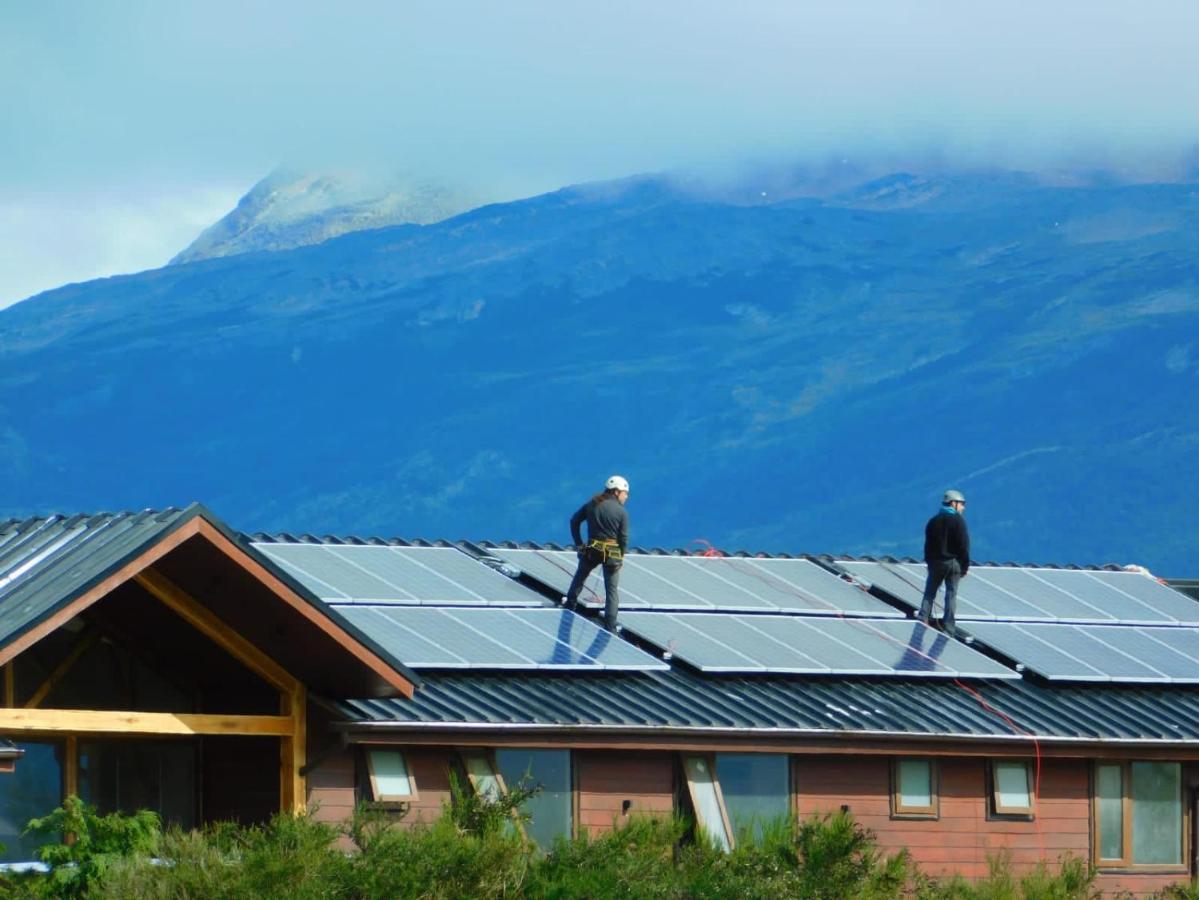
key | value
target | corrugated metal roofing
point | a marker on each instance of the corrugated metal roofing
(679, 700)
(47, 562)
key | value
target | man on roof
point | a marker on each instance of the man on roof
(607, 539)
(947, 555)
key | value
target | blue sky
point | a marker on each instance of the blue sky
(125, 127)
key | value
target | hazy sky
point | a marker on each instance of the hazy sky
(125, 127)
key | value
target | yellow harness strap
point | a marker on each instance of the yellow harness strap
(610, 549)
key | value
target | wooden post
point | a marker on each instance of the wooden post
(293, 753)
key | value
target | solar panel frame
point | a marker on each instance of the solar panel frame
(506, 638)
(697, 583)
(807, 645)
(375, 574)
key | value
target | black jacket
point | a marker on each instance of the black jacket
(607, 520)
(946, 537)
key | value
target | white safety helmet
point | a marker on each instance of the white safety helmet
(616, 483)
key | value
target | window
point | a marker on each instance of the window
(34, 789)
(391, 780)
(1011, 788)
(914, 788)
(127, 775)
(550, 810)
(1139, 814)
(756, 788)
(711, 815)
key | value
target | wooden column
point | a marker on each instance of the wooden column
(293, 753)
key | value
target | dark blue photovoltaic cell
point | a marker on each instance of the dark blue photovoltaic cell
(492, 638)
(730, 584)
(374, 574)
(731, 642)
(1067, 652)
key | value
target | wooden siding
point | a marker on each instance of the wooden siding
(604, 781)
(962, 838)
(332, 785)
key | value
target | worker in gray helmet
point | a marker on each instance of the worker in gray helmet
(607, 539)
(947, 554)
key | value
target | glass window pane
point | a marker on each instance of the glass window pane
(549, 811)
(1156, 813)
(482, 777)
(1109, 786)
(1011, 785)
(127, 776)
(33, 790)
(703, 797)
(389, 772)
(756, 789)
(915, 782)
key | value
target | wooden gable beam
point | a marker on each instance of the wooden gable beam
(203, 620)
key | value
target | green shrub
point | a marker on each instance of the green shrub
(1073, 880)
(90, 844)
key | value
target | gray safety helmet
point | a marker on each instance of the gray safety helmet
(953, 496)
(616, 483)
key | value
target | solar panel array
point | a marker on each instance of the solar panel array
(1066, 624)
(727, 642)
(727, 584)
(1097, 653)
(409, 576)
(1010, 593)
(490, 638)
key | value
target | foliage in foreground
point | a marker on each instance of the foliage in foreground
(476, 849)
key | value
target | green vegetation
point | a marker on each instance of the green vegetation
(477, 850)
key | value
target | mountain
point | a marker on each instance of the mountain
(805, 375)
(292, 209)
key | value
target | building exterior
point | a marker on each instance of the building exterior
(161, 660)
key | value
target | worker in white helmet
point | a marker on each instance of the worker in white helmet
(947, 555)
(607, 540)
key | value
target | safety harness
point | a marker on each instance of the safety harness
(608, 549)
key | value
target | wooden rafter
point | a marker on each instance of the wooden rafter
(86, 641)
(202, 619)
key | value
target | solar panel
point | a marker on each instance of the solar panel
(490, 638)
(409, 576)
(781, 644)
(731, 584)
(1031, 594)
(1067, 652)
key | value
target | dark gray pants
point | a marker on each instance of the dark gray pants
(589, 559)
(947, 573)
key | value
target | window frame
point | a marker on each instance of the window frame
(376, 797)
(1125, 862)
(710, 760)
(487, 757)
(997, 807)
(900, 810)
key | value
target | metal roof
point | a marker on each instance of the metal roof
(47, 562)
(680, 701)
